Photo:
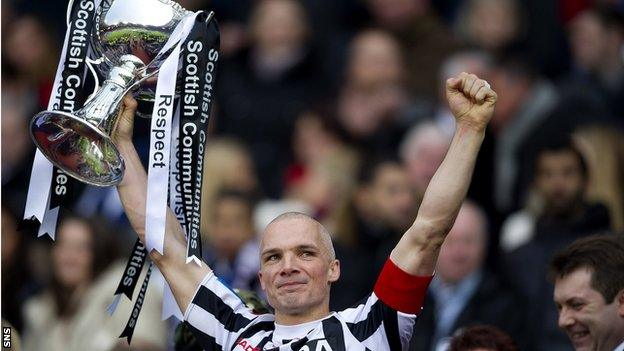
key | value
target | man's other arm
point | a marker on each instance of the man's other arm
(472, 102)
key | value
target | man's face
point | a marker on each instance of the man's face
(560, 180)
(588, 41)
(296, 268)
(392, 196)
(72, 255)
(424, 161)
(463, 250)
(231, 226)
(591, 323)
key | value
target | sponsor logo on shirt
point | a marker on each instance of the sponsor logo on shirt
(245, 345)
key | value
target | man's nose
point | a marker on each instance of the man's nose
(565, 318)
(289, 265)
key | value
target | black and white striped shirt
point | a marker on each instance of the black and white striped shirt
(221, 321)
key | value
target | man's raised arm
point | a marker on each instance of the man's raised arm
(182, 278)
(472, 102)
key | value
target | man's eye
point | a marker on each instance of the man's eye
(307, 254)
(576, 305)
(271, 258)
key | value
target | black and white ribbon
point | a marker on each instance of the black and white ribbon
(160, 140)
(136, 310)
(128, 281)
(49, 187)
(188, 139)
(198, 73)
(165, 179)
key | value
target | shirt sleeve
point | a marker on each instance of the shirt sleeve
(216, 315)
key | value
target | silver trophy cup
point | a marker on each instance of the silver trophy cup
(127, 38)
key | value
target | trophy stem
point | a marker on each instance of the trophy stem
(103, 108)
(80, 143)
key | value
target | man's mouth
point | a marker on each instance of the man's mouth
(579, 337)
(290, 285)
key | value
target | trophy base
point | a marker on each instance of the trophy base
(77, 147)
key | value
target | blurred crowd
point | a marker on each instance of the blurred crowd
(336, 108)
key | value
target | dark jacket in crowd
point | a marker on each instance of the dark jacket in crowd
(261, 111)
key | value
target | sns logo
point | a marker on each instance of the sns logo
(6, 337)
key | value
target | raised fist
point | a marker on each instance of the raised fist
(471, 100)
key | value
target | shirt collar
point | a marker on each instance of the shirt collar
(295, 332)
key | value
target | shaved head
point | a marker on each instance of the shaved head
(297, 267)
(323, 235)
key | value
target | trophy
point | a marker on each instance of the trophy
(127, 39)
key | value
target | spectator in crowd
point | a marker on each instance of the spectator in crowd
(526, 100)
(382, 206)
(421, 151)
(263, 89)
(482, 338)
(71, 313)
(596, 38)
(603, 148)
(232, 247)
(589, 292)
(561, 180)
(561, 177)
(425, 41)
(18, 103)
(373, 103)
(29, 52)
(227, 164)
(533, 27)
(17, 283)
(502, 30)
(463, 292)
(323, 174)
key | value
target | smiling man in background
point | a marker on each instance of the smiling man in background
(589, 292)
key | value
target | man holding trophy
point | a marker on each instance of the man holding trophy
(298, 263)
(137, 39)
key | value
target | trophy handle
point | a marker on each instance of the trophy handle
(96, 86)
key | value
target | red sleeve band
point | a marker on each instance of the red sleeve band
(400, 290)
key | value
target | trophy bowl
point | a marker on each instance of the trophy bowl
(135, 27)
(80, 149)
(127, 38)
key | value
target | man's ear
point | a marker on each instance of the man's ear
(334, 271)
(260, 280)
